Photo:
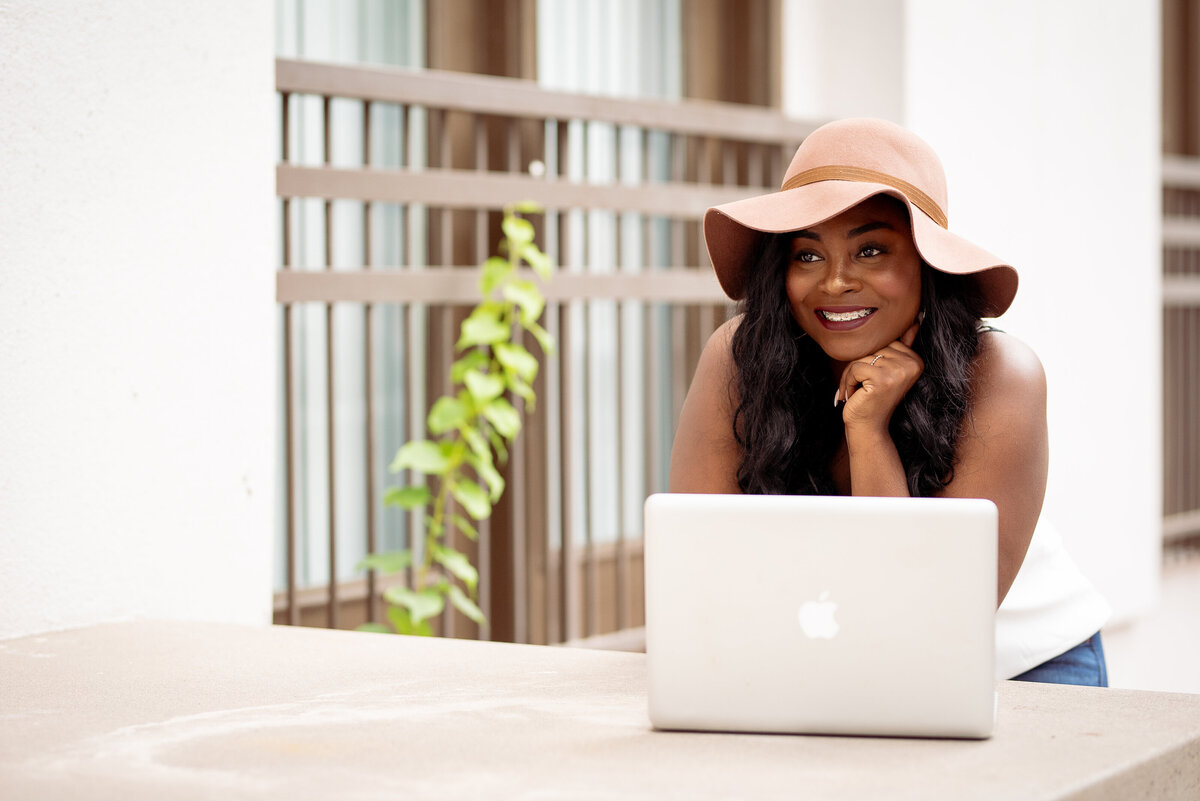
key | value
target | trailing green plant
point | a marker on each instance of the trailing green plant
(473, 429)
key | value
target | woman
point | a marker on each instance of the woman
(859, 365)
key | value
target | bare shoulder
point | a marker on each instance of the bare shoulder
(1008, 381)
(716, 361)
(722, 338)
(705, 454)
(1006, 366)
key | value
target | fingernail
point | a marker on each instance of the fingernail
(837, 396)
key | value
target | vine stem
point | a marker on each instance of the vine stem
(437, 527)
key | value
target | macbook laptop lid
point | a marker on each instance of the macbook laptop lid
(822, 615)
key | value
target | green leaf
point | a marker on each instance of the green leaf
(453, 451)
(541, 335)
(538, 260)
(378, 628)
(514, 357)
(521, 390)
(476, 442)
(498, 443)
(503, 417)
(492, 274)
(459, 566)
(465, 526)
(473, 499)
(447, 413)
(465, 605)
(526, 295)
(527, 207)
(420, 605)
(472, 361)
(519, 232)
(390, 562)
(421, 455)
(483, 387)
(407, 497)
(491, 476)
(483, 327)
(402, 620)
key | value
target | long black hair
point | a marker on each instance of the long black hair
(786, 424)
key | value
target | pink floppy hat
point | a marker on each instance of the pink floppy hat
(838, 166)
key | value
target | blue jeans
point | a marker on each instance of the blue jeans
(1083, 664)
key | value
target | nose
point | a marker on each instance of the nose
(840, 276)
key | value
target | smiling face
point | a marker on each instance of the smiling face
(854, 282)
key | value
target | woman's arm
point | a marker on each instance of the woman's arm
(705, 455)
(1003, 450)
(872, 388)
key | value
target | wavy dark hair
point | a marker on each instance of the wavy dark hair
(785, 421)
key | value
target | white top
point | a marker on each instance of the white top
(1050, 608)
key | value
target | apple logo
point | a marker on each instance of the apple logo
(816, 618)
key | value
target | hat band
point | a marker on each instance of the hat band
(834, 172)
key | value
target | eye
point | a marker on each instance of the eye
(806, 256)
(871, 251)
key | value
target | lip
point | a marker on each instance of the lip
(845, 325)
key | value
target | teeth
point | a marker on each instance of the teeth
(841, 317)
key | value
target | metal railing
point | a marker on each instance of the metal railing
(1181, 348)
(400, 186)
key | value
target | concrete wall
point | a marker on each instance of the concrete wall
(137, 319)
(1046, 116)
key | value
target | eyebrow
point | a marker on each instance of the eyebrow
(853, 232)
(871, 226)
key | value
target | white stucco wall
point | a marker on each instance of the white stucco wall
(137, 319)
(1046, 116)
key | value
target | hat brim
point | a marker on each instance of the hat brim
(732, 232)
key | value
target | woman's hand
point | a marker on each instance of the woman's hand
(873, 386)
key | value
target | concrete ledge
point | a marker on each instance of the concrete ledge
(190, 710)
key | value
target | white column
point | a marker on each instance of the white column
(137, 233)
(1047, 117)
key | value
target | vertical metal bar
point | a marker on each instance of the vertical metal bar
(441, 315)
(329, 381)
(755, 166)
(591, 596)
(369, 389)
(622, 566)
(289, 410)
(566, 584)
(551, 405)
(568, 599)
(444, 151)
(519, 518)
(555, 606)
(513, 140)
(650, 369)
(404, 157)
(678, 333)
(704, 155)
(484, 527)
(404, 323)
(414, 357)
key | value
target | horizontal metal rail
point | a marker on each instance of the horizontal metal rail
(1181, 172)
(1181, 526)
(511, 97)
(460, 286)
(473, 189)
(1181, 290)
(1180, 232)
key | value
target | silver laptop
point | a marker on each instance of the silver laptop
(821, 615)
